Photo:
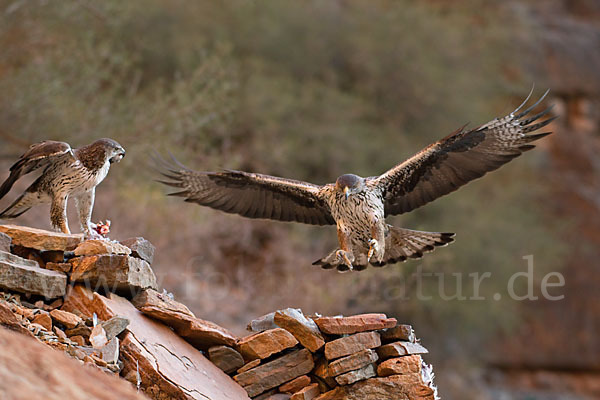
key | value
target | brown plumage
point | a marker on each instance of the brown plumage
(65, 173)
(358, 206)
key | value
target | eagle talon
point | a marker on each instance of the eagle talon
(345, 258)
(373, 247)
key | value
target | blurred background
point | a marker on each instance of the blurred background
(311, 90)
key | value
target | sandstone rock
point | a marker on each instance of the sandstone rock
(276, 372)
(358, 375)
(114, 326)
(321, 372)
(65, 318)
(79, 340)
(295, 384)
(79, 330)
(31, 370)
(39, 239)
(265, 344)
(54, 305)
(307, 393)
(304, 330)
(352, 362)
(59, 267)
(98, 337)
(110, 352)
(354, 324)
(43, 319)
(263, 323)
(400, 366)
(351, 344)
(395, 387)
(99, 247)
(114, 273)
(25, 276)
(399, 349)
(400, 332)
(140, 248)
(201, 334)
(5, 242)
(226, 358)
(249, 366)
(53, 256)
(60, 334)
(168, 366)
(9, 320)
(85, 303)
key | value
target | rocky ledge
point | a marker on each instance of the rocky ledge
(98, 302)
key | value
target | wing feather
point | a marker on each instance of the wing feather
(39, 156)
(462, 156)
(250, 195)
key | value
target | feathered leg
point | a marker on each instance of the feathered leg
(85, 204)
(58, 213)
(377, 242)
(345, 255)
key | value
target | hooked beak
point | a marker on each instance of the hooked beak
(347, 192)
(118, 157)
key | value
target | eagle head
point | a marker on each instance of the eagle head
(113, 151)
(350, 184)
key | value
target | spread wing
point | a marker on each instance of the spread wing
(462, 156)
(251, 195)
(39, 155)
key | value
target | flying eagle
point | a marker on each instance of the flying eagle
(65, 173)
(357, 205)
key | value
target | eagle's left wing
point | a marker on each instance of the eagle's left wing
(462, 156)
(251, 195)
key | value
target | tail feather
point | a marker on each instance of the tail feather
(400, 245)
(20, 206)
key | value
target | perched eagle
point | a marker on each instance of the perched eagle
(65, 173)
(358, 206)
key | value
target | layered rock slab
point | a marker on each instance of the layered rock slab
(39, 239)
(25, 276)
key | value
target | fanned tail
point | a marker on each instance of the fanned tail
(400, 245)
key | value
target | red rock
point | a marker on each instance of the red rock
(10, 321)
(80, 300)
(396, 387)
(400, 366)
(79, 340)
(97, 247)
(354, 324)
(226, 358)
(274, 373)
(400, 332)
(295, 384)
(65, 318)
(202, 334)
(264, 344)
(59, 333)
(399, 349)
(249, 366)
(168, 365)
(304, 330)
(39, 239)
(43, 319)
(113, 273)
(98, 337)
(59, 267)
(351, 344)
(37, 372)
(79, 330)
(308, 393)
(352, 362)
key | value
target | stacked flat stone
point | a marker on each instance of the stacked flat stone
(292, 356)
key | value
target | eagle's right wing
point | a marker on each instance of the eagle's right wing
(251, 195)
(39, 155)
